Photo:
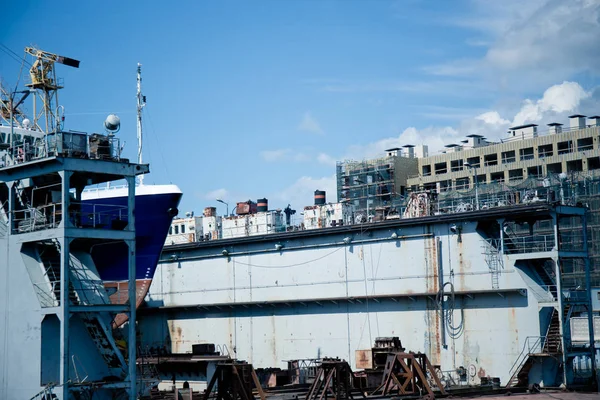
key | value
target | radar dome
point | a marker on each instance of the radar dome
(112, 123)
(26, 123)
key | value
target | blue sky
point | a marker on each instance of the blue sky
(251, 99)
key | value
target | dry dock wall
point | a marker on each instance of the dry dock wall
(330, 294)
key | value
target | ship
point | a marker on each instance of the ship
(156, 205)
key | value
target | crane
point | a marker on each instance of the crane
(44, 82)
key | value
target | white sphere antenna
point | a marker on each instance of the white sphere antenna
(26, 123)
(112, 123)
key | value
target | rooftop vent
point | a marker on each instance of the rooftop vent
(555, 127)
(577, 121)
(393, 152)
(523, 131)
(595, 120)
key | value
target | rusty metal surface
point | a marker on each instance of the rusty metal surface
(364, 359)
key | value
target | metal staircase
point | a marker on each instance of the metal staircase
(84, 290)
(553, 342)
(532, 348)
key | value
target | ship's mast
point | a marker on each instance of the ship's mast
(141, 102)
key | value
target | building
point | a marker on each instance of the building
(370, 186)
(526, 153)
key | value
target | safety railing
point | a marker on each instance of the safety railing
(532, 345)
(67, 144)
(81, 215)
(528, 244)
(45, 293)
(571, 240)
(545, 293)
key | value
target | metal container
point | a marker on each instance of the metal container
(245, 208)
(319, 197)
(262, 205)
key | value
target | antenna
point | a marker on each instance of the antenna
(141, 102)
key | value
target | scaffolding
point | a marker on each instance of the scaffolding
(370, 186)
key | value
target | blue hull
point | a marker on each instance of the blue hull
(153, 215)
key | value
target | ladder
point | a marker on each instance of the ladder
(494, 260)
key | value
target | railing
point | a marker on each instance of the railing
(81, 215)
(532, 345)
(544, 154)
(509, 160)
(66, 144)
(546, 293)
(525, 157)
(44, 296)
(570, 241)
(528, 244)
(585, 147)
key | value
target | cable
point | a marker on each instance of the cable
(12, 54)
(146, 112)
(291, 265)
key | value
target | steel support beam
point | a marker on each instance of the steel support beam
(132, 345)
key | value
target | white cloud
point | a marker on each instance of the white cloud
(492, 118)
(283, 155)
(274, 155)
(326, 159)
(529, 43)
(555, 103)
(433, 136)
(310, 124)
(217, 194)
(557, 99)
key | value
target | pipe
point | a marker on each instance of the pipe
(438, 243)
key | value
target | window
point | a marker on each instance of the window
(177, 229)
(515, 175)
(441, 168)
(490, 159)
(585, 144)
(534, 172)
(456, 165)
(474, 162)
(170, 230)
(594, 163)
(555, 168)
(497, 177)
(545, 151)
(508, 157)
(481, 180)
(526, 154)
(182, 228)
(575, 165)
(565, 147)
(445, 186)
(462, 183)
(426, 170)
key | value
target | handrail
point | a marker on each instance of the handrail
(523, 355)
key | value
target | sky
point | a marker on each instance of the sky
(253, 99)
